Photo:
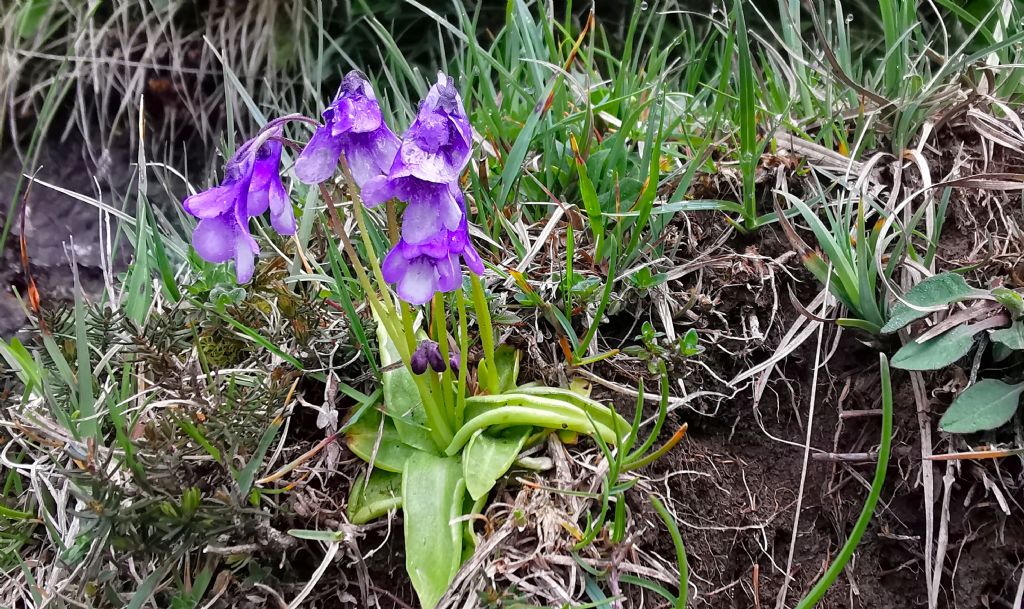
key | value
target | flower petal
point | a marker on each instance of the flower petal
(215, 201)
(214, 238)
(422, 221)
(370, 155)
(376, 191)
(282, 217)
(449, 209)
(265, 173)
(394, 265)
(449, 275)
(364, 113)
(319, 158)
(472, 259)
(245, 259)
(417, 285)
(427, 166)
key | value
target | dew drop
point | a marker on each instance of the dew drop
(643, 6)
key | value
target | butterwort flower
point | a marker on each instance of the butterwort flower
(425, 173)
(353, 124)
(428, 353)
(422, 269)
(251, 185)
(267, 191)
(436, 147)
(430, 208)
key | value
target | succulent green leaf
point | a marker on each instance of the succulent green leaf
(432, 498)
(488, 456)
(392, 452)
(987, 404)
(506, 364)
(938, 290)
(936, 353)
(601, 413)
(374, 498)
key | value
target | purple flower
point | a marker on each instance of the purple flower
(426, 171)
(434, 151)
(420, 270)
(267, 191)
(353, 124)
(437, 145)
(430, 208)
(427, 353)
(251, 185)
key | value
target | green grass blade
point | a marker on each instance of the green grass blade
(677, 541)
(836, 568)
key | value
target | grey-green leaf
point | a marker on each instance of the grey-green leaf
(488, 456)
(1010, 299)
(1011, 338)
(987, 404)
(937, 352)
(941, 289)
(433, 491)
(378, 496)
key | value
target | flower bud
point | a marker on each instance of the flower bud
(418, 361)
(434, 357)
(427, 353)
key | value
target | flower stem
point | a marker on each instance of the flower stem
(483, 316)
(441, 336)
(439, 428)
(429, 392)
(409, 334)
(357, 206)
(382, 308)
(460, 392)
(836, 568)
(393, 232)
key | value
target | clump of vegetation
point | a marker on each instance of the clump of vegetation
(295, 360)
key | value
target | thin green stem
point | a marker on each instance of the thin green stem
(661, 452)
(662, 414)
(605, 297)
(380, 306)
(393, 231)
(819, 589)
(440, 430)
(441, 336)
(460, 392)
(364, 234)
(483, 316)
(408, 316)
